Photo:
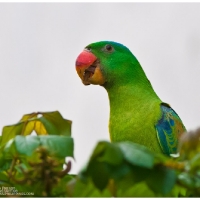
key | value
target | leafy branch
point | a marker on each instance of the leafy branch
(35, 163)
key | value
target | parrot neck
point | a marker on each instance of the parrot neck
(134, 88)
(131, 95)
(132, 108)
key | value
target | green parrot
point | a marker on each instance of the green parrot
(137, 114)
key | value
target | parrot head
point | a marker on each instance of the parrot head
(105, 63)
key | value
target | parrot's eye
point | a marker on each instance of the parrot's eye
(109, 48)
(88, 48)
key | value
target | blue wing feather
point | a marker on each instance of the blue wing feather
(169, 128)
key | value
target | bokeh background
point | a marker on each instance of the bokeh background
(39, 43)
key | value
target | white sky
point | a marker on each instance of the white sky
(39, 44)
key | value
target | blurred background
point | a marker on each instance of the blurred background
(39, 43)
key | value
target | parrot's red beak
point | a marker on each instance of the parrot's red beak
(88, 68)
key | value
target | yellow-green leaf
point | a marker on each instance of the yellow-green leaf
(27, 117)
(39, 128)
(55, 124)
(10, 132)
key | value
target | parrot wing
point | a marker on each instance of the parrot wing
(169, 128)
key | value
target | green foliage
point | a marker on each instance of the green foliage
(126, 169)
(61, 146)
(190, 154)
(42, 123)
(34, 165)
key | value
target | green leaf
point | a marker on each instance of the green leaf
(60, 190)
(9, 132)
(5, 165)
(10, 150)
(134, 190)
(139, 173)
(194, 163)
(162, 180)
(55, 124)
(190, 181)
(179, 191)
(78, 188)
(34, 125)
(21, 145)
(137, 154)
(21, 166)
(29, 116)
(2, 159)
(186, 179)
(120, 171)
(105, 164)
(26, 145)
(99, 173)
(107, 152)
(3, 176)
(51, 123)
(60, 146)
